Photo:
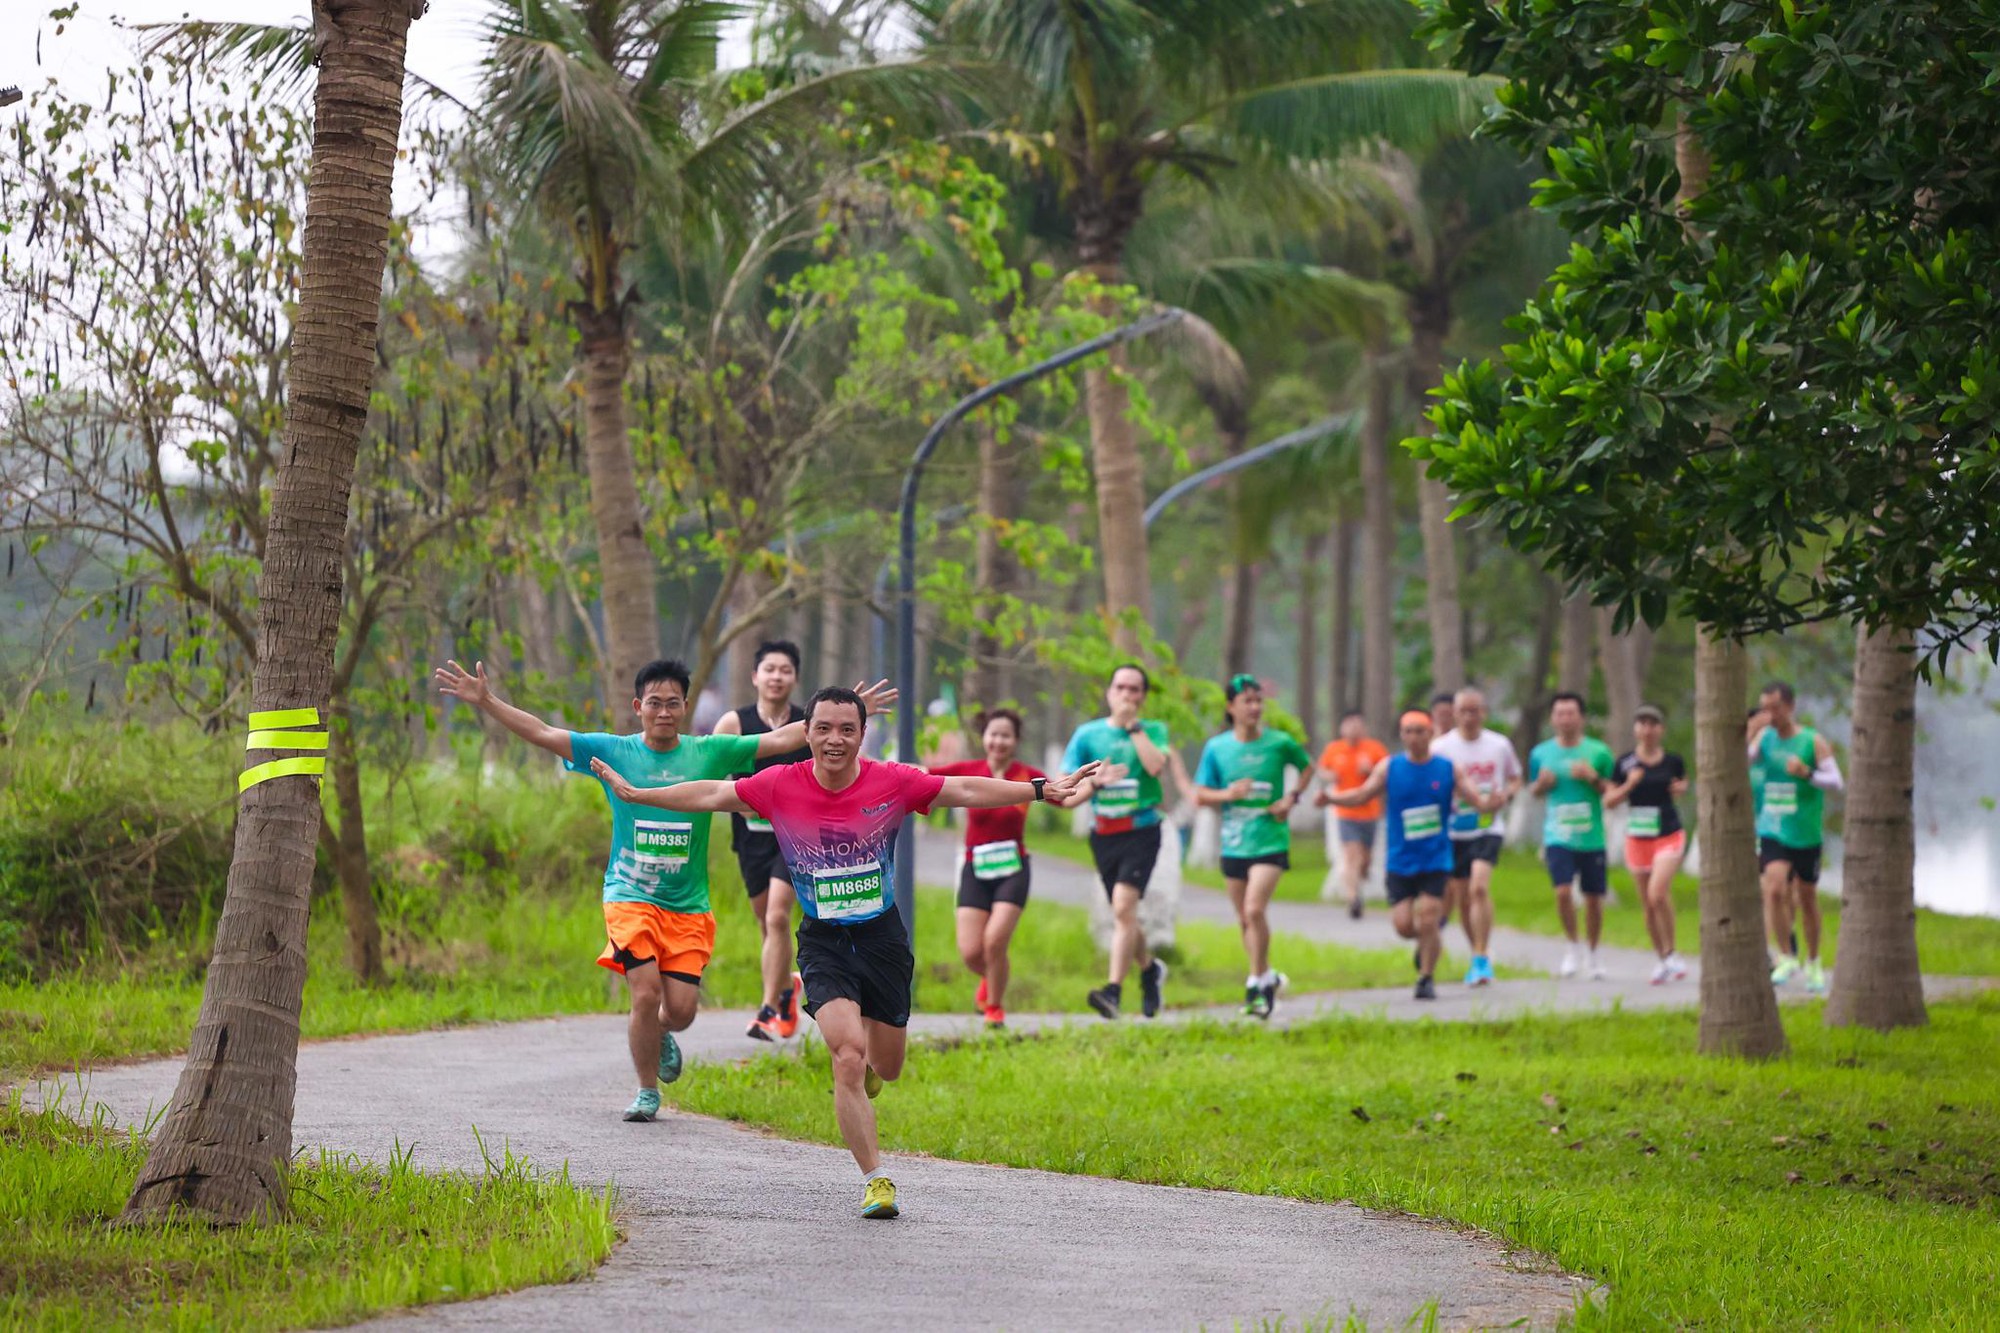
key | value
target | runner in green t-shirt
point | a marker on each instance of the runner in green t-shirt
(1242, 773)
(656, 906)
(1571, 771)
(1791, 769)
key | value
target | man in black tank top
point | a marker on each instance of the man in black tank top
(765, 879)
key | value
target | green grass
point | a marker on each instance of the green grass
(361, 1240)
(1967, 946)
(522, 954)
(1854, 1184)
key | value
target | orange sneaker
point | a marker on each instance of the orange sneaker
(787, 1021)
(979, 996)
(764, 1027)
(996, 1017)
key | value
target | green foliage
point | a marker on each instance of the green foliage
(1778, 404)
(1706, 1197)
(363, 1239)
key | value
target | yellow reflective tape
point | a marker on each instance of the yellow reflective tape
(310, 765)
(285, 717)
(286, 740)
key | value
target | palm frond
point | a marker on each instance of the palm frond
(1248, 293)
(1323, 115)
(280, 56)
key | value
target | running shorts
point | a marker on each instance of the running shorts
(983, 893)
(868, 962)
(1357, 830)
(1238, 867)
(760, 861)
(1464, 851)
(1402, 887)
(680, 942)
(1803, 860)
(1567, 865)
(1126, 858)
(1640, 852)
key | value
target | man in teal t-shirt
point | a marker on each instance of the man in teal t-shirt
(656, 904)
(1125, 832)
(1792, 767)
(1242, 773)
(1572, 771)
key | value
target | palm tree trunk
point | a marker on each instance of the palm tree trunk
(832, 639)
(1340, 640)
(222, 1150)
(1121, 501)
(1307, 703)
(1378, 553)
(1573, 668)
(1241, 623)
(1430, 318)
(350, 853)
(1739, 1010)
(624, 561)
(994, 566)
(1877, 982)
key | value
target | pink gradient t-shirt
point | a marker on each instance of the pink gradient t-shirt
(840, 846)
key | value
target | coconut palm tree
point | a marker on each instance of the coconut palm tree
(1128, 92)
(225, 1143)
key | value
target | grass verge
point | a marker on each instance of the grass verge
(1855, 1184)
(361, 1240)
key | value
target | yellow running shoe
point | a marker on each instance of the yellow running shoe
(871, 1083)
(878, 1199)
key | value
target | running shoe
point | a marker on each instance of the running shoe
(764, 1027)
(1784, 970)
(871, 1083)
(1596, 967)
(878, 1198)
(1253, 1001)
(788, 1008)
(996, 1017)
(1481, 971)
(1278, 980)
(979, 996)
(670, 1058)
(1660, 973)
(1567, 968)
(1150, 980)
(1676, 967)
(1426, 989)
(1354, 909)
(1815, 978)
(644, 1107)
(1104, 1000)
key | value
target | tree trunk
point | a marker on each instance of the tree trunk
(535, 610)
(1378, 553)
(1877, 982)
(1121, 502)
(1307, 703)
(1739, 1009)
(1624, 683)
(222, 1150)
(994, 566)
(833, 639)
(1535, 685)
(1573, 670)
(624, 561)
(1241, 626)
(740, 658)
(350, 852)
(1430, 320)
(1340, 640)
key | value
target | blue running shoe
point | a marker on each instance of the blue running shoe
(644, 1107)
(670, 1061)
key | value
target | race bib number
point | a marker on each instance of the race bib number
(996, 860)
(1117, 800)
(756, 825)
(662, 846)
(1645, 822)
(1423, 821)
(1574, 818)
(848, 892)
(1465, 819)
(1781, 798)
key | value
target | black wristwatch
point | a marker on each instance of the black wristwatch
(1135, 728)
(1038, 784)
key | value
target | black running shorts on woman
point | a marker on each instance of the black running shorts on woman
(981, 894)
(760, 861)
(869, 963)
(1126, 858)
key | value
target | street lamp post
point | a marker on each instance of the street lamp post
(906, 605)
(1304, 435)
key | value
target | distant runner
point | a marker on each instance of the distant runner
(1347, 762)
(1444, 713)
(1242, 773)
(1125, 839)
(837, 818)
(656, 904)
(775, 675)
(1792, 769)
(1420, 787)
(1487, 760)
(1572, 771)
(993, 882)
(1650, 777)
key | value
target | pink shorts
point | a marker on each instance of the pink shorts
(1639, 852)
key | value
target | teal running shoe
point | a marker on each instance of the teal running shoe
(644, 1107)
(670, 1061)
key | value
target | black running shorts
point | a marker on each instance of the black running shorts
(1804, 861)
(760, 862)
(983, 893)
(868, 962)
(1238, 867)
(1464, 851)
(1430, 884)
(1126, 858)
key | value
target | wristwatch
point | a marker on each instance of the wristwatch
(1135, 728)
(1038, 784)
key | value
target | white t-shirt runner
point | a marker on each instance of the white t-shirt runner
(1487, 763)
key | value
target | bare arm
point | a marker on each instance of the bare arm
(985, 793)
(474, 688)
(715, 796)
(1371, 787)
(1616, 795)
(876, 700)
(1151, 757)
(1462, 787)
(1234, 792)
(730, 725)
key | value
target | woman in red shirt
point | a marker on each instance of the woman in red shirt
(993, 882)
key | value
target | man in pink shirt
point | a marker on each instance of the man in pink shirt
(836, 818)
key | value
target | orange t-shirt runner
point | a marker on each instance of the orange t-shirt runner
(1345, 760)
